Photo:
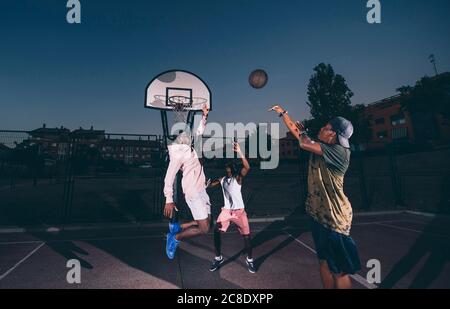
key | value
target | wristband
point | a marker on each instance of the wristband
(282, 113)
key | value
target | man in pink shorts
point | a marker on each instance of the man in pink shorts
(233, 210)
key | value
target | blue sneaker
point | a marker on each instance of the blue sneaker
(171, 246)
(174, 228)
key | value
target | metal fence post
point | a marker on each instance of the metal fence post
(395, 177)
(362, 182)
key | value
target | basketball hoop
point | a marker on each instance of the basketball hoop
(180, 105)
(179, 95)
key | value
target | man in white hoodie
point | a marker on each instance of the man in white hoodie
(183, 157)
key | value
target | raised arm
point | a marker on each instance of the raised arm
(291, 125)
(246, 166)
(202, 126)
(297, 129)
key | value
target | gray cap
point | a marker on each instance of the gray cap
(343, 129)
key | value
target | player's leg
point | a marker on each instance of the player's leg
(218, 240)
(320, 237)
(187, 225)
(342, 281)
(218, 259)
(241, 220)
(175, 227)
(223, 222)
(326, 275)
(248, 246)
(337, 255)
(201, 212)
(201, 227)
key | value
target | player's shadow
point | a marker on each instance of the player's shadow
(290, 229)
(431, 244)
(187, 270)
(69, 251)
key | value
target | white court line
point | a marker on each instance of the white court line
(21, 261)
(377, 222)
(82, 239)
(158, 236)
(411, 230)
(163, 235)
(355, 277)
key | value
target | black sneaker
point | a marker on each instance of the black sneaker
(250, 266)
(216, 264)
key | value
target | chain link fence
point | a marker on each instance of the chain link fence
(50, 177)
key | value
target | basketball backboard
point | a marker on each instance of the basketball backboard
(177, 87)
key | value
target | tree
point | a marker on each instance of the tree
(330, 97)
(328, 94)
(430, 94)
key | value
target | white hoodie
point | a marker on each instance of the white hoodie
(184, 158)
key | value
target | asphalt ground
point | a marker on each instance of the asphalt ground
(413, 251)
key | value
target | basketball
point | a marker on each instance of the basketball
(258, 79)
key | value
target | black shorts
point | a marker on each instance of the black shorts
(338, 250)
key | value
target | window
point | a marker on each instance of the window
(399, 133)
(398, 119)
(379, 121)
(382, 134)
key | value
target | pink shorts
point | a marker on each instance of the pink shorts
(238, 217)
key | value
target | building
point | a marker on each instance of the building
(132, 152)
(389, 123)
(87, 144)
(90, 138)
(53, 142)
(91, 146)
(289, 147)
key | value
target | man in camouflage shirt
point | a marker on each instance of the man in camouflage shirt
(330, 210)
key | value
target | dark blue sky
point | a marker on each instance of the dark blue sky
(95, 73)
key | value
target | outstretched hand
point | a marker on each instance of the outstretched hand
(300, 126)
(237, 147)
(205, 110)
(276, 108)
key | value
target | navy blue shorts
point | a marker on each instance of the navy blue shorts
(338, 250)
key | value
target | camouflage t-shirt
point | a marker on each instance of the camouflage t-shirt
(326, 201)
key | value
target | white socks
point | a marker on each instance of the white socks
(249, 260)
(219, 258)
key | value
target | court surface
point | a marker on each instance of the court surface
(414, 252)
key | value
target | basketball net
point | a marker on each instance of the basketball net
(180, 112)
